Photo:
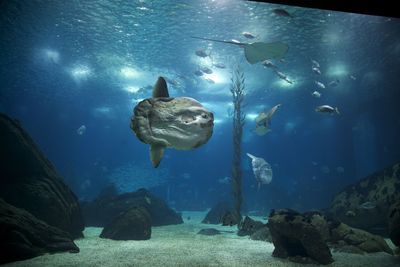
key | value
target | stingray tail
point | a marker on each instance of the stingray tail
(219, 41)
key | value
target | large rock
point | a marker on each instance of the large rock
(249, 226)
(104, 210)
(348, 239)
(23, 236)
(214, 216)
(297, 239)
(394, 224)
(134, 224)
(337, 235)
(28, 180)
(381, 190)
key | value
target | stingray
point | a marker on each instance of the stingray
(258, 51)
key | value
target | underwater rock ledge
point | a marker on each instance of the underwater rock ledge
(308, 237)
(133, 224)
(379, 190)
(28, 180)
(103, 210)
(23, 236)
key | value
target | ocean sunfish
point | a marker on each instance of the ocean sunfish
(162, 121)
(263, 121)
(261, 169)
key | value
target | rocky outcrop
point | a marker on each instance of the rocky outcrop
(332, 233)
(366, 204)
(249, 226)
(23, 236)
(214, 216)
(28, 180)
(394, 223)
(262, 234)
(297, 239)
(104, 210)
(134, 224)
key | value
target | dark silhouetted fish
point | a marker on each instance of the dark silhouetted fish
(282, 12)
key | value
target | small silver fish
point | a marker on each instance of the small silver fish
(268, 64)
(315, 64)
(368, 205)
(248, 35)
(334, 83)
(198, 73)
(316, 94)
(316, 70)
(81, 130)
(220, 65)
(320, 85)
(327, 109)
(206, 70)
(201, 53)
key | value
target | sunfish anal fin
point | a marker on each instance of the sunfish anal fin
(156, 154)
(160, 88)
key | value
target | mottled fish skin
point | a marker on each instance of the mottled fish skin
(261, 169)
(165, 122)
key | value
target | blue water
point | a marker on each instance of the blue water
(64, 65)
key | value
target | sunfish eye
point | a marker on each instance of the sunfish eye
(204, 116)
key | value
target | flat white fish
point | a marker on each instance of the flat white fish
(81, 130)
(334, 83)
(368, 205)
(248, 35)
(201, 53)
(316, 70)
(327, 109)
(320, 85)
(315, 63)
(316, 94)
(220, 65)
(262, 170)
(268, 64)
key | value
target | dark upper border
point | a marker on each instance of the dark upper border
(369, 7)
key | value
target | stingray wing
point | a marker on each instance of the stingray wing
(259, 51)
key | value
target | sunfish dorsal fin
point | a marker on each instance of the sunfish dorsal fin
(160, 88)
(251, 156)
(156, 154)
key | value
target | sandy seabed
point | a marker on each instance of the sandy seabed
(180, 245)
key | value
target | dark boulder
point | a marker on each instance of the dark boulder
(366, 204)
(209, 231)
(262, 234)
(331, 233)
(249, 226)
(296, 239)
(23, 236)
(214, 216)
(102, 211)
(133, 224)
(28, 180)
(231, 218)
(394, 224)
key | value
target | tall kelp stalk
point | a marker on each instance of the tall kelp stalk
(238, 116)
